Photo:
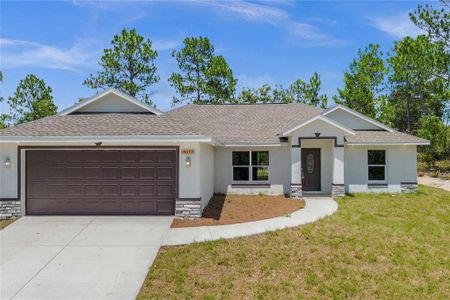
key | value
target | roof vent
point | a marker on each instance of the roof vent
(283, 139)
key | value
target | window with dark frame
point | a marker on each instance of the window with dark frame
(376, 161)
(250, 166)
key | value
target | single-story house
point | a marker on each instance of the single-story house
(114, 155)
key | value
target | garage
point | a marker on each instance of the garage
(101, 182)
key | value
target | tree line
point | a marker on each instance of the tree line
(406, 88)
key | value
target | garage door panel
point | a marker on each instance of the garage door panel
(165, 173)
(147, 156)
(128, 173)
(166, 156)
(147, 190)
(146, 172)
(111, 172)
(92, 172)
(101, 182)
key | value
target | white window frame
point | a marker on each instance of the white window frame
(377, 165)
(250, 168)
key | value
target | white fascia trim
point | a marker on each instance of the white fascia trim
(94, 139)
(107, 92)
(253, 145)
(319, 117)
(388, 144)
(357, 114)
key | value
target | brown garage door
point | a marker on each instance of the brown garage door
(104, 182)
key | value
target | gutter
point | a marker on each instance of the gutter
(119, 139)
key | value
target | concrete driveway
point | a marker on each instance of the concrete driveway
(78, 257)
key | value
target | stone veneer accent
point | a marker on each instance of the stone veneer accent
(338, 190)
(408, 187)
(10, 209)
(296, 190)
(188, 209)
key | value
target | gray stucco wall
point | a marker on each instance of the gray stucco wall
(206, 173)
(401, 167)
(279, 170)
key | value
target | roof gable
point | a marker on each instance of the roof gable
(322, 118)
(353, 119)
(111, 101)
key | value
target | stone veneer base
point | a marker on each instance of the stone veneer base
(296, 191)
(10, 209)
(188, 209)
(338, 190)
(408, 188)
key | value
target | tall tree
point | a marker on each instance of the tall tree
(364, 82)
(433, 129)
(416, 90)
(308, 92)
(32, 100)
(204, 77)
(263, 94)
(129, 65)
(4, 118)
(435, 21)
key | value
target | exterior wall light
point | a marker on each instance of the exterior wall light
(7, 163)
(187, 162)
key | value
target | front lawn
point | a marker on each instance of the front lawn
(4, 223)
(375, 246)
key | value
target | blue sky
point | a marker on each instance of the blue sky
(263, 41)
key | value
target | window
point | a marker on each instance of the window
(252, 166)
(376, 160)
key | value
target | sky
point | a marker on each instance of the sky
(274, 42)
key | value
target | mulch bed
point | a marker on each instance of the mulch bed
(231, 209)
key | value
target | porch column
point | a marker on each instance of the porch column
(296, 178)
(338, 187)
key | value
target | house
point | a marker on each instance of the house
(114, 155)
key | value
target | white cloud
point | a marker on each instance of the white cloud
(262, 13)
(19, 53)
(397, 26)
(162, 45)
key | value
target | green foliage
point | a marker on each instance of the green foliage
(31, 101)
(128, 66)
(204, 77)
(436, 22)
(418, 88)
(299, 92)
(433, 129)
(4, 118)
(263, 94)
(308, 93)
(364, 83)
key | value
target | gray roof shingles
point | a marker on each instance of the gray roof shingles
(229, 124)
(381, 137)
(101, 124)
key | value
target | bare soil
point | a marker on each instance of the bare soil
(232, 209)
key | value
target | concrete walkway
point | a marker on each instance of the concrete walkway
(71, 257)
(434, 182)
(315, 209)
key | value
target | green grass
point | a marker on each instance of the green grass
(375, 246)
(4, 223)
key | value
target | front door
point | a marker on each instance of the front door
(311, 169)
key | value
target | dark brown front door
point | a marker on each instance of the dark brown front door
(101, 182)
(310, 169)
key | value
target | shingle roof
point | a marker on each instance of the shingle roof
(244, 124)
(381, 137)
(229, 124)
(102, 124)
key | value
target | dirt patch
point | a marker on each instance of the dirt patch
(231, 209)
(434, 182)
